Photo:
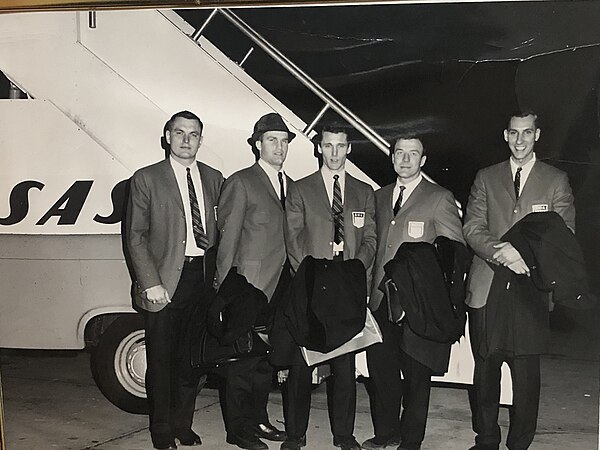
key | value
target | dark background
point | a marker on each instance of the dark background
(452, 73)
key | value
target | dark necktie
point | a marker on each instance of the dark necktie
(199, 234)
(398, 201)
(281, 189)
(338, 211)
(518, 183)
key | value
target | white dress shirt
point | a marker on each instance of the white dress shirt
(409, 188)
(525, 171)
(327, 175)
(191, 249)
(273, 177)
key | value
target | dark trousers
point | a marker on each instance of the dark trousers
(341, 398)
(388, 392)
(485, 397)
(171, 383)
(247, 386)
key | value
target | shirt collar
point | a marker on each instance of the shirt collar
(411, 184)
(180, 167)
(327, 172)
(525, 167)
(269, 169)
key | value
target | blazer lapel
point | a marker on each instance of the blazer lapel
(321, 192)
(171, 183)
(533, 180)
(262, 175)
(507, 181)
(414, 197)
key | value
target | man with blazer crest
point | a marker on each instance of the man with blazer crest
(314, 230)
(170, 224)
(251, 220)
(502, 195)
(410, 210)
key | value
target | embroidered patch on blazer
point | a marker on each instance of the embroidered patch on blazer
(416, 229)
(358, 219)
(542, 207)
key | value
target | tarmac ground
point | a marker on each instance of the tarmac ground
(51, 402)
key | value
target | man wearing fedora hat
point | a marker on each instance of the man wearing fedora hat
(251, 221)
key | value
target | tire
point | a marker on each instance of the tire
(119, 364)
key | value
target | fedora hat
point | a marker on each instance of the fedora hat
(269, 122)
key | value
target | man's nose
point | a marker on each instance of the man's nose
(334, 152)
(186, 138)
(519, 138)
(406, 157)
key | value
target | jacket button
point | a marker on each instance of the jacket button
(331, 243)
(389, 245)
(516, 211)
(393, 222)
(324, 288)
(183, 242)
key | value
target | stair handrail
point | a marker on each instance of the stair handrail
(300, 75)
(306, 80)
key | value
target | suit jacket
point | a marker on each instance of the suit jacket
(517, 306)
(310, 227)
(156, 229)
(429, 212)
(251, 221)
(428, 280)
(493, 209)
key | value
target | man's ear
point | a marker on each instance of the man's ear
(319, 151)
(537, 134)
(258, 145)
(168, 137)
(423, 159)
(349, 149)
(506, 135)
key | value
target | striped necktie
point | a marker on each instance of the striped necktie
(518, 183)
(281, 189)
(199, 234)
(338, 211)
(398, 203)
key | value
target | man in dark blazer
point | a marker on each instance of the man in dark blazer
(410, 210)
(170, 224)
(251, 220)
(311, 231)
(502, 195)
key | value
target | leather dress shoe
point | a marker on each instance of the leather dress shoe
(347, 444)
(247, 441)
(293, 444)
(188, 438)
(163, 443)
(268, 431)
(406, 447)
(483, 447)
(377, 442)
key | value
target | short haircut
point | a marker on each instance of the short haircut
(522, 113)
(184, 115)
(406, 138)
(334, 128)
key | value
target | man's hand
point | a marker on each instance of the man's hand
(157, 294)
(282, 375)
(509, 257)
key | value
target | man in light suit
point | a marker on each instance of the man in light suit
(170, 224)
(251, 220)
(410, 210)
(502, 195)
(311, 225)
